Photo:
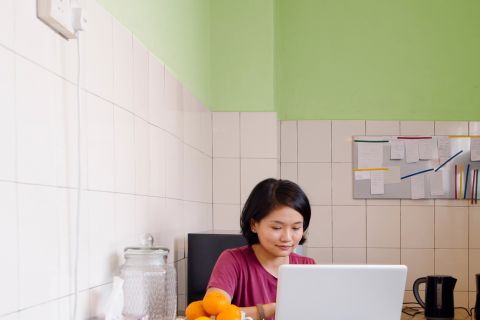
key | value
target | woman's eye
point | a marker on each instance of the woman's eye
(296, 229)
(276, 228)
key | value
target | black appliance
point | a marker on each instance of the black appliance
(203, 252)
(438, 302)
(477, 302)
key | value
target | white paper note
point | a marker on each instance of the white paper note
(377, 184)
(475, 149)
(392, 175)
(370, 155)
(411, 149)
(436, 183)
(425, 149)
(397, 150)
(444, 149)
(362, 175)
(417, 186)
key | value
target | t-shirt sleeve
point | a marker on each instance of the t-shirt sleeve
(225, 273)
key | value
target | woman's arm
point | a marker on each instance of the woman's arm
(250, 311)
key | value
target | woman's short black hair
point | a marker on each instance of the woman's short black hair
(268, 195)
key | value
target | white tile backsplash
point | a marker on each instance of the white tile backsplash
(145, 166)
(156, 90)
(315, 180)
(342, 135)
(142, 156)
(122, 66)
(314, 141)
(99, 52)
(417, 128)
(445, 128)
(7, 22)
(7, 111)
(226, 134)
(451, 224)
(38, 240)
(9, 236)
(258, 135)
(124, 137)
(288, 141)
(417, 226)
(226, 180)
(100, 140)
(140, 79)
(34, 123)
(349, 226)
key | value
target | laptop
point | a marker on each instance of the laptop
(340, 292)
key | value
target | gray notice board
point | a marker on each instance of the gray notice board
(402, 189)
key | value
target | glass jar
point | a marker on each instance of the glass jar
(149, 287)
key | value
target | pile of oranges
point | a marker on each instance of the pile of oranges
(213, 304)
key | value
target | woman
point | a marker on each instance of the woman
(273, 221)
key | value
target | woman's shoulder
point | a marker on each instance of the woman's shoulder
(240, 253)
(296, 258)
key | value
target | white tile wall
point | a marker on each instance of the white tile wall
(258, 135)
(140, 80)
(314, 141)
(9, 236)
(429, 236)
(122, 66)
(143, 170)
(7, 112)
(226, 134)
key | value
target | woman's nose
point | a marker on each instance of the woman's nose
(286, 235)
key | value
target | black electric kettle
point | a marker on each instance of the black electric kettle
(438, 302)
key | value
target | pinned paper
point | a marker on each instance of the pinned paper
(444, 149)
(392, 175)
(425, 149)
(475, 149)
(397, 150)
(377, 182)
(370, 155)
(362, 175)
(411, 149)
(417, 186)
(436, 183)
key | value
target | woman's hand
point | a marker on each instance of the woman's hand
(268, 308)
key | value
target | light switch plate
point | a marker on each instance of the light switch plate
(58, 15)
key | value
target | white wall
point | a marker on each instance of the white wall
(146, 161)
(429, 236)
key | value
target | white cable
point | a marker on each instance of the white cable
(79, 185)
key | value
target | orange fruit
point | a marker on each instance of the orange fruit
(232, 312)
(215, 302)
(202, 318)
(195, 310)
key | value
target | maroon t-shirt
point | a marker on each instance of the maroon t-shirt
(241, 275)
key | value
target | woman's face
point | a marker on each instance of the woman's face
(280, 231)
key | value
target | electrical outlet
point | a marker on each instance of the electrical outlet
(58, 15)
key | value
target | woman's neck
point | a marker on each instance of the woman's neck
(270, 262)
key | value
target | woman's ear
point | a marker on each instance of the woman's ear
(252, 226)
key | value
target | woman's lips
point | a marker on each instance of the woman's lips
(284, 247)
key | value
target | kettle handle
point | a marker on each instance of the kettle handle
(416, 284)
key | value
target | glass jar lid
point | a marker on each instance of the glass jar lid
(146, 248)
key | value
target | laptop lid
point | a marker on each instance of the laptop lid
(340, 292)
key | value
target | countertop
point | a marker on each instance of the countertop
(460, 314)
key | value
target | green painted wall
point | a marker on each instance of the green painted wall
(319, 59)
(176, 31)
(242, 55)
(378, 59)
